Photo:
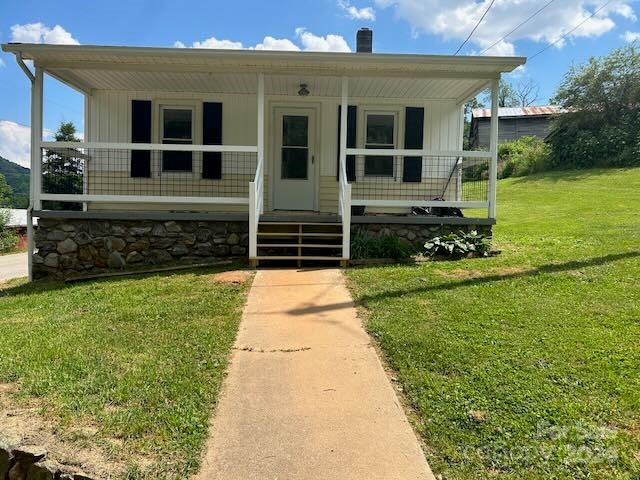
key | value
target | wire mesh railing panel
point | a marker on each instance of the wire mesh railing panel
(420, 178)
(112, 171)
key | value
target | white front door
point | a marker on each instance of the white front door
(295, 159)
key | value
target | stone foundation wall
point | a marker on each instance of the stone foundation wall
(30, 462)
(72, 247)
(417, 235)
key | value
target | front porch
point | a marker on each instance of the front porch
(264, 137)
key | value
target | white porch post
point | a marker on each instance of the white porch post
(260, 141)
(343, 125)
(493, 166)
(35, 183)
(36, 138)
(345, 187)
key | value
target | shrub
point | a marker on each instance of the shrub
(461, 244)
(8, 239)
(367, 245)
(524, 156)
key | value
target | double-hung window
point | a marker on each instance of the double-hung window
(380, 133)
(177, 129)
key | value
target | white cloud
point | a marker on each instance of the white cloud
(355, 13)
(15, 142)
(454, 19)
(281, 44)
(630, 36)
(213, 42)
(309, 42)
(314, 43)
(268, 43)
(40, 33)
(2, 64)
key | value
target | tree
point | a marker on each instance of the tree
(602, 99)
(506, 95)
(605, 85)
(7, 238)
(527, 92)
(5, 192)
(62, 168)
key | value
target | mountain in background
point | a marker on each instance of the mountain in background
(18, 179)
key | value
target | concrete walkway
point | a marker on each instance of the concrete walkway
(12, 266)
(306, 396)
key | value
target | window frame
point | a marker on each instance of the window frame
(179, 141)
(396, 127)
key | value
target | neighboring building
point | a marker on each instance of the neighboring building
(194, 153)
(17, 218)
(514, 123)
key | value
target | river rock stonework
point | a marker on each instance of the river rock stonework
(73, 247)
(417, 235)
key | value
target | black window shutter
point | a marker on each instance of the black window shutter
(413, 139)
(140, 133)
(212, 135)
(352, 115)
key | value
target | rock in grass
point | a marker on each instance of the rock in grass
(42, 471)
(478, 416)
(5, 460)
(29, 453)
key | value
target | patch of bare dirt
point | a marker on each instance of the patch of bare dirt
(74, 447)
(232, 276)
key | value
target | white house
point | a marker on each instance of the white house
(277, 146)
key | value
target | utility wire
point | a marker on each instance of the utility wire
(517, 27)
(476, 27)
(563, 36)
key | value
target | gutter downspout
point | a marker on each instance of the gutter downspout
(30, 237)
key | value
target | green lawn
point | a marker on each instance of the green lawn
(525, 365)
(138, 359)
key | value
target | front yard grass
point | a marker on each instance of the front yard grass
(129, 367)
(525, 365)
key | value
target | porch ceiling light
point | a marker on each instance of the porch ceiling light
(304, 91)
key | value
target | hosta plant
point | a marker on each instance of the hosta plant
(461, 244)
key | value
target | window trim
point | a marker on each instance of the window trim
(396, 127)
(161, 137)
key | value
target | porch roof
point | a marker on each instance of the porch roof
(379, 75)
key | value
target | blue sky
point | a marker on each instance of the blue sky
(400, 26)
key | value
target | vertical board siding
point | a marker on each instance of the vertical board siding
(110, 121)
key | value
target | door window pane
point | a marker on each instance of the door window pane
(295, 130)
(177, 129)
(295, 163)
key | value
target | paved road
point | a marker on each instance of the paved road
(306, 396)
(12, 266)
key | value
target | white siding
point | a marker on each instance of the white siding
(109, 120)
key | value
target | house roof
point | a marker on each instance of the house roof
(87, 67)
(504, 112)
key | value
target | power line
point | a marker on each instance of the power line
(517, 27)
(563, 36)
(476, 27)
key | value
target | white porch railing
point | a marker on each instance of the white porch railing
(452, 178)
(102, 172)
